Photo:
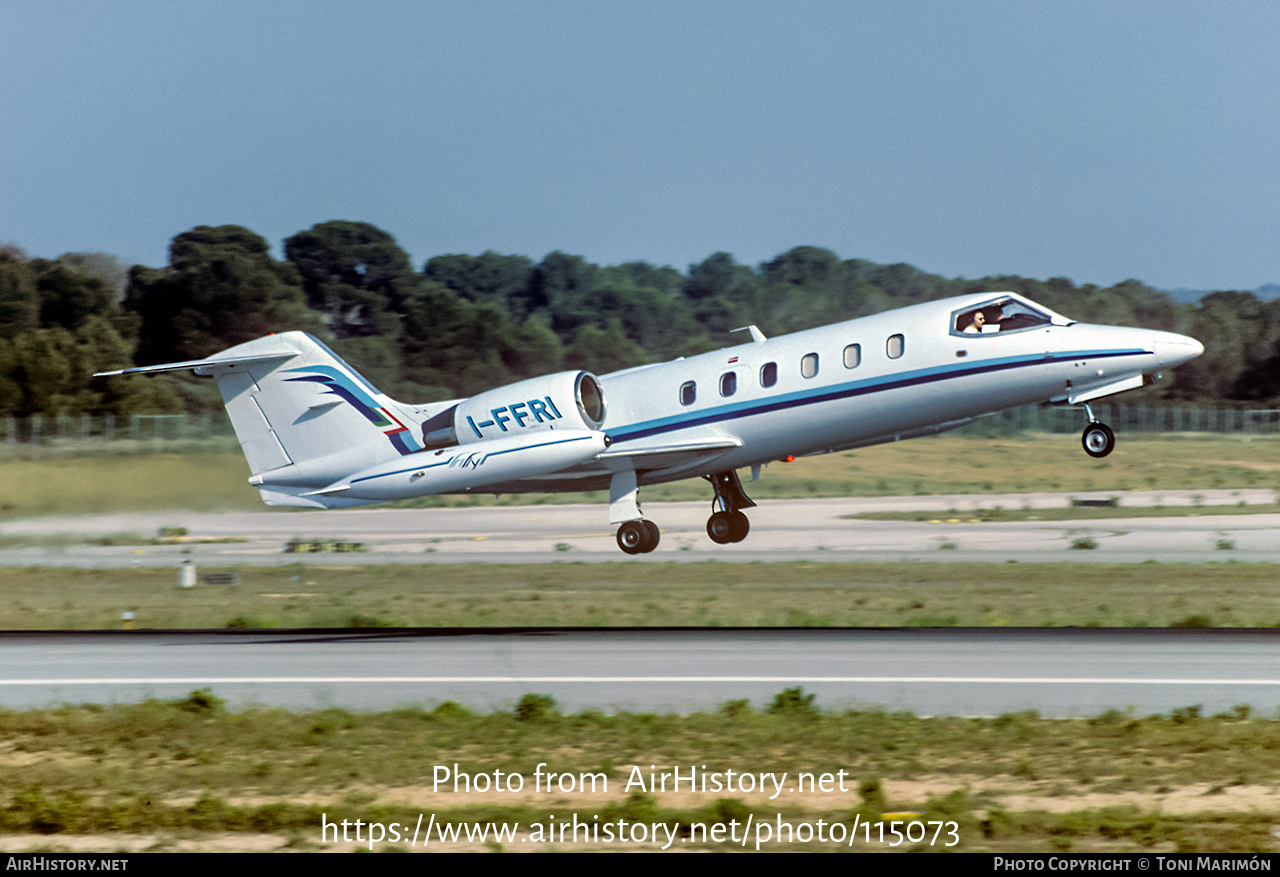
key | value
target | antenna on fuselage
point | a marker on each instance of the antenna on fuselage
(756, 335)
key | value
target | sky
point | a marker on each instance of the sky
(1098, 140)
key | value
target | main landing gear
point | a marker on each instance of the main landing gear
(728, 524)
(1098, 439)
(638, 537)
(635, 534)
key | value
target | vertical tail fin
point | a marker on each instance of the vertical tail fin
(304, 417)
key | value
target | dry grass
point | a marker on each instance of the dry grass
(645, 595)
(165, 774)
(938, 465)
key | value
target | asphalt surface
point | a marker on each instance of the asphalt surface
(930, 672)
(1058, 672)
(809, 529)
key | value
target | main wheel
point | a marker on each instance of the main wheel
(633, 536)
(654, 535)
(1098, 440)
(720, 527)
(739, 526)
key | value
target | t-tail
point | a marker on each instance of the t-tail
(303, 416)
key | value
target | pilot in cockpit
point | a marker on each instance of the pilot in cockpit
(973, 322)
(1004, 315)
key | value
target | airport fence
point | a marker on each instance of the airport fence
(89, 435)
(1181, 419)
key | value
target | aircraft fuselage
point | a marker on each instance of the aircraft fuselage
(882, 378)
(316, 434)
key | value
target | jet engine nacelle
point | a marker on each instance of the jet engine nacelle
(568, 400)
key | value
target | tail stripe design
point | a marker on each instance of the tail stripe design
(341, 385)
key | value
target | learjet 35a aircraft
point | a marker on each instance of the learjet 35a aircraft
(318, 435)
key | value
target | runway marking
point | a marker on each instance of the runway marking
(278, 680)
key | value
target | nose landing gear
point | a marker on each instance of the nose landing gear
(1098, 439)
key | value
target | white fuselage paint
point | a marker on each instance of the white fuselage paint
(941, 380)
(318, 435)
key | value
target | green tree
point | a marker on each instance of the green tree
(560, 287)
(19, 298)
(103, 266)
(221, 288)
(535, 350)
(1218, 327)
(719, 276)
(489, 278)
(355, 274)
(50, 371)
(449, 342)
(69, 297)
(604, 350)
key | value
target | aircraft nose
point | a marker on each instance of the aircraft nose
(1172, 349)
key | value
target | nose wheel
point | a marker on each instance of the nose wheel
(638, 537)
(1098, 439)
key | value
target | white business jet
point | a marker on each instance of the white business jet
(318, 435)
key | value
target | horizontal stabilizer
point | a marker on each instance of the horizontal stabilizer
(195, 364)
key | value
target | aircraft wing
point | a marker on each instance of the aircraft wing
(669, 456)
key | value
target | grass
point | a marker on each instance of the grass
(182, 772)
(161, 773)
(938, 465)
(673, 594)
(109, 485)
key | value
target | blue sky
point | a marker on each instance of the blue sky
(1093, 140)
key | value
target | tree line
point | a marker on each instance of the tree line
(465, 323)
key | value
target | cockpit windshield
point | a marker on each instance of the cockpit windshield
(1001, 315)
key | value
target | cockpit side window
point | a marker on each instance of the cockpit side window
(999, 316)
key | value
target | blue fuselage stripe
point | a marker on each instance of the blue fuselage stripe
(853, 389)
(472, 448)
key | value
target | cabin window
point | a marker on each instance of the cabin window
(688, 393)
(853, 356)
(728, 383)
(809, 365)
(896, 347)
(769, 374)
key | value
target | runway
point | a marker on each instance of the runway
(809, 529)
(1057, 672)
